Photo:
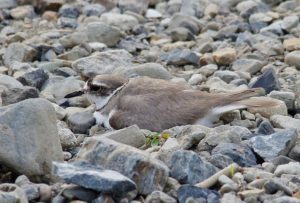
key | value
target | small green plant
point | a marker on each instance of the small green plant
(155, 139)
(231, 170)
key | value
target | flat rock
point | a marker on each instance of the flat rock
(287, 97)
(92, 177)
(149, 174)
(122, 21)
(251, 66)
(9, 82)
(15, 95)
(271, 146)
(159, 196)
(18, 52)
(186, 21)
(292, 168)
(293, 59)
(7, 4)
(132, 136)
(102, 63)
(32, 124)
(224, 56)
(34, 78)
(286, 122)
(196, 194)
(22, 12)
(268, 80)
(181, 57)
(137, 6)
(81, 122)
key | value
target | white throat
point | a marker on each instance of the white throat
(101, 101)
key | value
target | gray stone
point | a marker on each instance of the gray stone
(137, 6)
(93, 10)
(226, 75)
(230, 198)
(15, 95)
(7, 4)
(149, 174)
(102, 63)
(289, 22)
(292, 168)
(267, 45)
(67, 137)
(188, 168)
(132, 136)
(69, 11)
(181, 34)
(104, 33)
(189, 193)
(80, 193)
(181, 57)
(35, 78)
(33, 125)
(251, 66)
(11, 193)
(287, 97)
(152, 70)
(293, 59)
(271, 146)
(9, 82)
(18, 52)
(276, 184)
(158, 196)
(239, 153)
(65, 22)
(122, 21)
(208, 70)
(189, 22)
(93, 177)
(285, 122)
(284, 199)
(196, 79)
(74, 54)
(81, 122)
(60, 112)
(220, 161)
(268, 80)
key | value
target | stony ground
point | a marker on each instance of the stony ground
(48, 48)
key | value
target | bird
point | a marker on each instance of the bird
(157, 104)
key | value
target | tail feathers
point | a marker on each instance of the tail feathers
(245, 94)
(256, 102)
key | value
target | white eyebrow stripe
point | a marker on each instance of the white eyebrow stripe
(99, 84)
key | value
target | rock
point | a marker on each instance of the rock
(285, 199)
(151, 13)
(50, 15)
(292, 168)
(196, 194)
(102, 63)
(75, 53)
(251, 66)
(67, 138)
(32, 123)
(15, 95)
(186, 21)
(93, 10)
(224, 56)
(229, 198)
(132, 136)
(104, 33)
(149, 174)
(276, 184)
(226, 75)
(268, 80)
(295, 152)
(35, 78)
(134, 5)
(81, 122)
(65, 22)
(69, 11)
(22, 12)
(9, 82)
(80, 193)
(196, 79)
(158, 196)
(153, 70)
(188, 168)
(122, 21)
(18, 52)
(92, 177)
(293, 59)
(220, 161)
(285, 122)
(288, 98)
(181, 34)
(292, 44)
(279, 107)
(208, 70)
(181, 57)
(4, 4)
(12, 193)
(240, 154)
(289, 22)
(60, 112)
(255, 193)
(265, 128)
(270, 146)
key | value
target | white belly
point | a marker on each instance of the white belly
(103, 119)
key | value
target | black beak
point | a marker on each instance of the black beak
(75, 94)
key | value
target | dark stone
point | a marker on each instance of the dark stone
(181, 57)
(257, 26)
(275, 184)
(80, 193)
(69, 11)
(268, 80)
(65, 22)
(15, 95)
(280, 160)
(188, 167)
(93, 10)
(81, 122)
(65, 72)
(239, 153)
(35, 78)
(270, 146)
(92, 177)
(221, 161)
(194, 193)
(265, 128)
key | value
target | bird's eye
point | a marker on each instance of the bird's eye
(95, 88)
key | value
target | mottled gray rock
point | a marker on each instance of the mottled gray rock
(7, 4)
(122, 21)
(230, 198)
(149, 174)
(152, 70)
(93, 10)
(276, 184)
(247, 65)
(21, 12)
(208, 70)
(220, 161)
(271, 146)
(293, 59)
(268, 80)
(132, 136)
(15, 95)
(93, 177)
(60, 112)
(287, 97)
(188, 168)
(69, 11)
(289, 22)
(239, 153)
(67, 137)
(196, 79)
(226, 75)
(102, 63)
(292, 168)
(35, 78)
(158, 196)
(9, 82)
(65, 22)
(102, 32)
(196, 194)
(181, 57)
(286, 122)
(11, 193)
(81, 122)
(32, 124)
(137, 6)
(80, 193)
(18, 52)
(189, 22)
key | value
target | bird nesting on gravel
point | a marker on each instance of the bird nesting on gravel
(157, 105)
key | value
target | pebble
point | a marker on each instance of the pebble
(80, 122)
(285, 122)
(224, 56)
(268, 80)
(15, 95)
(13, 193)
(158, 196)
(289, 168)
(293, 59)
(287, 97)
(291, 44)
(192, 193)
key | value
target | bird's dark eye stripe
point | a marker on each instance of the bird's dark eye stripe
(94, 87)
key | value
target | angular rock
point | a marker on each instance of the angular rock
(35, 78)
(288, 98)
(285, 122)
(226, 75)
(293, 59)
(188, 168)
(102, 63)
(132, 136)
(12, 193)
(15, 95)
(251, 66)
(67, 137)
(265, 128)
(289, 22)
(158, 196)
(32, 124)
(268, 80)
(81, 122)
(196, 194)
(270, 146)
(224, 56)
(240, 154)
(18, 52)
(149, 174)
(92, 177)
